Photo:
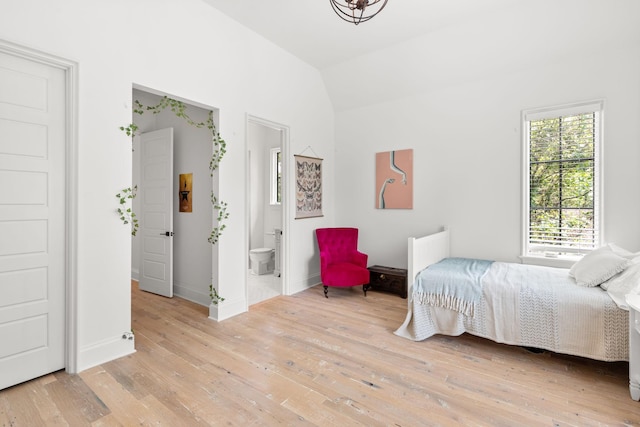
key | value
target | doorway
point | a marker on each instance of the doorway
(193, 256)
(267, 145)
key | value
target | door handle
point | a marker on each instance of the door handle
(167, 233)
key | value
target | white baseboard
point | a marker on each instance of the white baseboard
(135, 274)
(295, 287)
(191, 295)
(227, 309)
(105, 351)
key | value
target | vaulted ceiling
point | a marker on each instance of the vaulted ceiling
(419, 45)
(313, 32)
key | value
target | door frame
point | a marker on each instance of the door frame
(70, 69)
(286, 191)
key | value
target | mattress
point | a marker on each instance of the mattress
(532, 306)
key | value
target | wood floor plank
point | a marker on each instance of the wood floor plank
(77, 402)
(48, 410)
(308, 360)
(133, 411)
(18, 410)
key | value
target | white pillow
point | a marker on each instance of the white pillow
(598, 266)
(623, 276)
(623, 284)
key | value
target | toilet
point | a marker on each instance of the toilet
(262, 260)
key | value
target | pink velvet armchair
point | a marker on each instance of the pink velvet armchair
(341, 264)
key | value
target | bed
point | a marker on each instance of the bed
(550, 313)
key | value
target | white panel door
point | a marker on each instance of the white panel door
(156, 222)
(32, 219)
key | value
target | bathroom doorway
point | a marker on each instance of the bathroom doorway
(266, 182)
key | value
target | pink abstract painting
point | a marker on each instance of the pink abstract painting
(394, 179)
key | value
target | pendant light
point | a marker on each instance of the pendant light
(357, 11)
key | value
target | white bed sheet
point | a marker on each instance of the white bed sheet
(532, 306)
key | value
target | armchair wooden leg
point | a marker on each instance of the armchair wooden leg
(326, 291)
(365, 288)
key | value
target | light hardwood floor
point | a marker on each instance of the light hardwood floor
(307, 360)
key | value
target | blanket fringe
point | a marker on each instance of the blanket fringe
(445, 301)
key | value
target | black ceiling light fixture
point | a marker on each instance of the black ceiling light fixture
(357, 11)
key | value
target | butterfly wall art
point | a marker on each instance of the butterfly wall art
(308, 187)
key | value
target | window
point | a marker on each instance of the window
(562, 179)
(276, 177)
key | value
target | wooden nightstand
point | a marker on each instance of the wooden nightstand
(388, 279)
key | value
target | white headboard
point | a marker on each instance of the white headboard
(424, 251)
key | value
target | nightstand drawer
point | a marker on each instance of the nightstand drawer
(388, 279)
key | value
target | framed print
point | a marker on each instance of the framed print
(308, 187)
(185, 192)
(394, 180)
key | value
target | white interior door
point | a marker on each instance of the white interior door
(32, 219)
(156, 216)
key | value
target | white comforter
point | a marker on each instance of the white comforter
(532, 306)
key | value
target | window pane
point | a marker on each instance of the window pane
(578, 136)
(276, 177)
(562, 182)
(545, 185)
(577, 184)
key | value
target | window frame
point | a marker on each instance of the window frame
(275, 176)
(554, 259)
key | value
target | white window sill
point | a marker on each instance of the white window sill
(559, 261)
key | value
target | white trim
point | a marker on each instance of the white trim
(273, 176)
(184, 292)
(559, 262)
(105, 351)
(227, 309)
(524, 202)
(72, 218)
(305, 283)
(528, 115)
(70, 69)
(563, 110)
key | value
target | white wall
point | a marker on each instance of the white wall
(466, 131)
(188, 49)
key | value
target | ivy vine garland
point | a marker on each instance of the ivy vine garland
(179, 109)
(221, 207)
(125, 211)
(213, 294)
(126, 195)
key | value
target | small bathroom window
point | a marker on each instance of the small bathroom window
(276, 176)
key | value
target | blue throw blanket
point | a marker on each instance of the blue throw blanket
(453, 283)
